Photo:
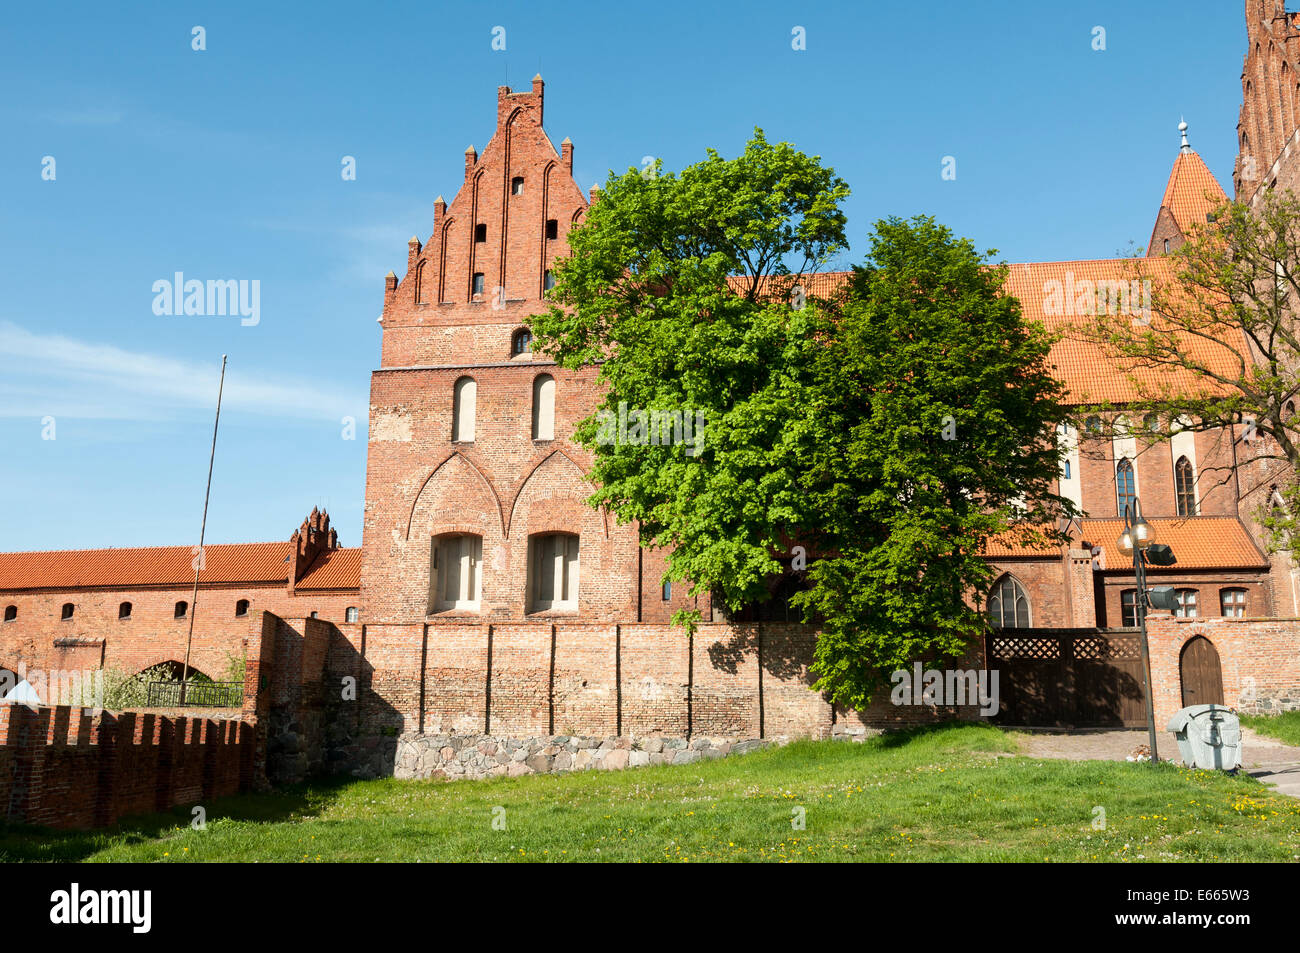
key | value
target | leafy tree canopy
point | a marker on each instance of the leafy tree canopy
(887, 429)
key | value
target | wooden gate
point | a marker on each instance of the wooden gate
(1068, 678)
(1202, 678)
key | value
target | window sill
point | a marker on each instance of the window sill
(444, 614)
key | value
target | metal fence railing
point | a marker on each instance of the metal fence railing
(196, 694)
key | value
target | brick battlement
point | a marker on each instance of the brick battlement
(63, 767)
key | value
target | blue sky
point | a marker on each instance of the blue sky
(225, 163)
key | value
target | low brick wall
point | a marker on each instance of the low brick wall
(1259, 660)
(65, 767)
(741, 681)
(483, 756)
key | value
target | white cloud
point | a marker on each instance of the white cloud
(64, 376)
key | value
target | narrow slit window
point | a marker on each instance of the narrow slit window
(544, 408)
(464, 403)
(1125, 486)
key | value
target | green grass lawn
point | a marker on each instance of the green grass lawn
(1284, 727)
(950, 794)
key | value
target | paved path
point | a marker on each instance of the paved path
(1265, 758)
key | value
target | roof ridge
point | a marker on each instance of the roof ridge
(1075, 261)
(135, 549)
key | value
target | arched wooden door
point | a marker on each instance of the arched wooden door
(1200, 672)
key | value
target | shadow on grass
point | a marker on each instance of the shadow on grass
(953, 729)
(25, 843)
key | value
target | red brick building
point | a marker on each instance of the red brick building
(488, 596)
(131, 609)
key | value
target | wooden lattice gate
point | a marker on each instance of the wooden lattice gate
(1068, 678)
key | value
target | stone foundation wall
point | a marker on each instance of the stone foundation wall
(475, 757)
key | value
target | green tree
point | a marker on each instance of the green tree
(933, 429)
(888, 431)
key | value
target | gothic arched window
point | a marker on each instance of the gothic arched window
(1008, 605)
(1184, 487)
(1125, 485)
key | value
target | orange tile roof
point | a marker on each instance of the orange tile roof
(148, 566)
(1049, 292)
(822, 284)
(334, 569)
(1192, 193)
(1198, 542)
(1010, 544)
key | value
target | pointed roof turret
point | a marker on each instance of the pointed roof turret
(1191, 195)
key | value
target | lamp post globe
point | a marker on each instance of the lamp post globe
(1143, 533)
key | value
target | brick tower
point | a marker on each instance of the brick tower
(1268, 144)
(475, 497)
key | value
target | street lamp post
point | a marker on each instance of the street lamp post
(1136, 539)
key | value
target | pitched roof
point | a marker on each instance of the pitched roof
(1198, 542)
(1009, 545)
(1058, 294)
(334, 569)
(823, 284)
(1192, 193)
(264, 563)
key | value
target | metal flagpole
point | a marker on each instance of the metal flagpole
(203, 528)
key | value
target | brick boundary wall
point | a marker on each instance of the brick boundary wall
(532, 680)
(65, 767)
(1259, 659)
